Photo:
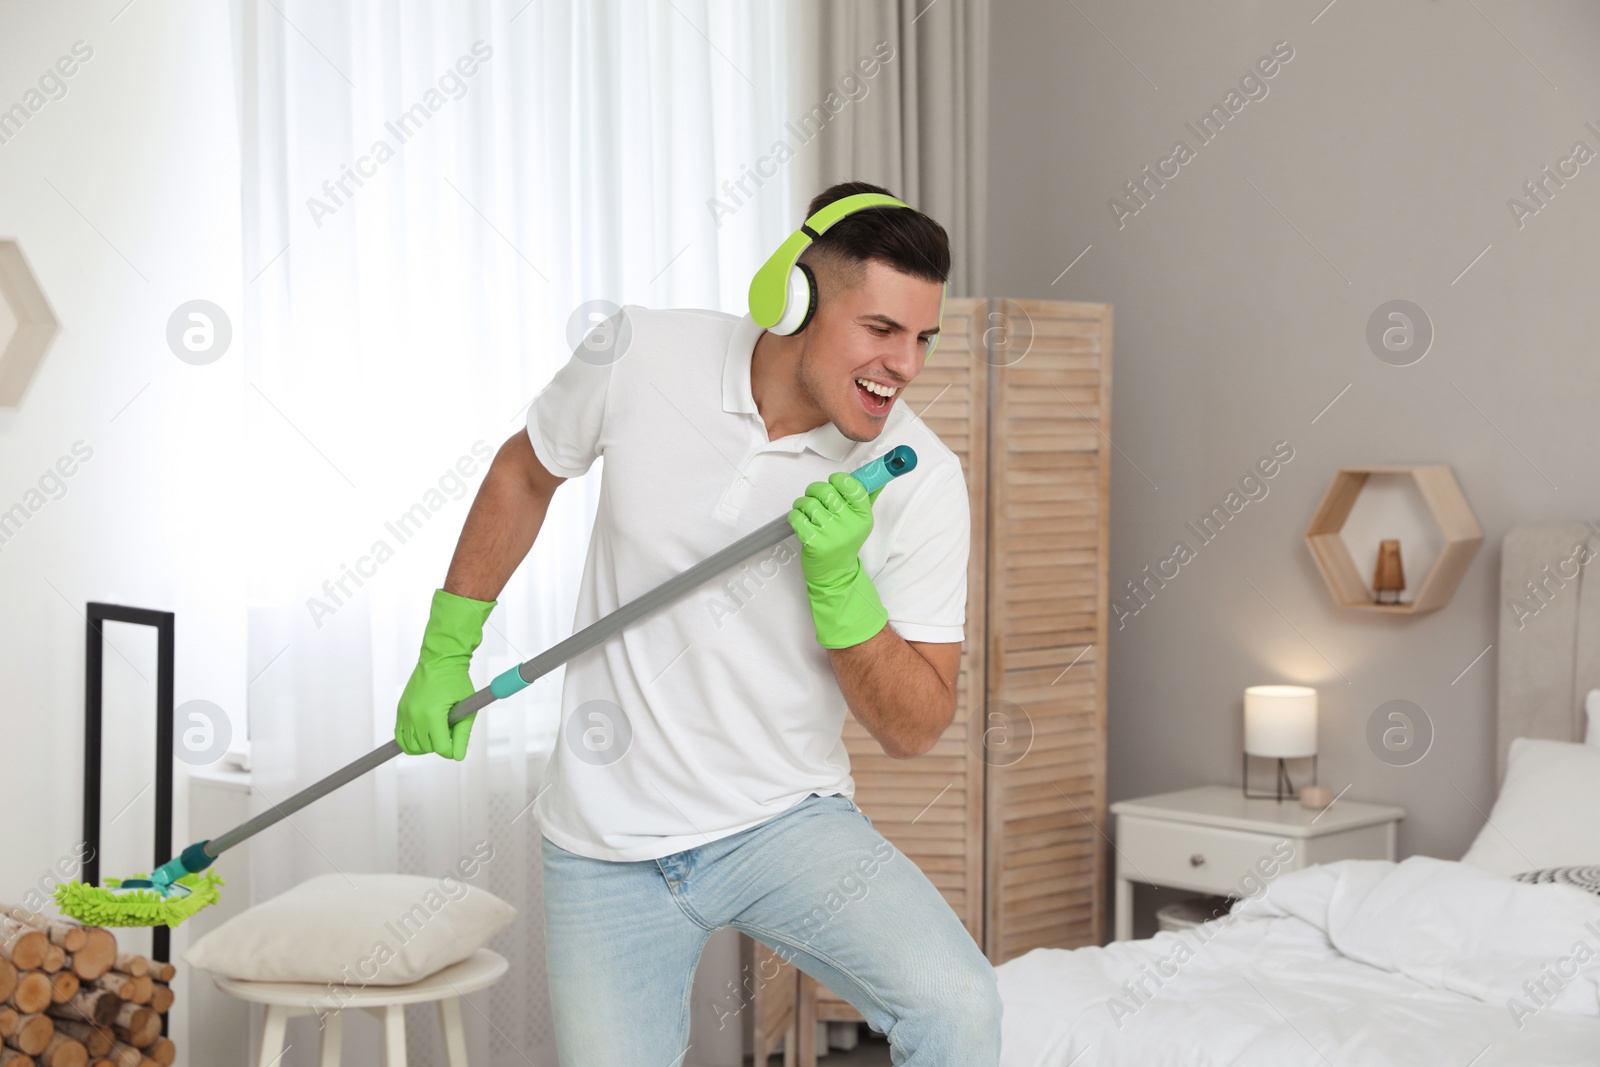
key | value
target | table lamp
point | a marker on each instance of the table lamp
(1280, 723)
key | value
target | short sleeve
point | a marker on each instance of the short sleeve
(923, 581)
(567, 420)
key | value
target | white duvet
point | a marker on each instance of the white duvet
(1360, 963)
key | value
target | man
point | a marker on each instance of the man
(700, 779)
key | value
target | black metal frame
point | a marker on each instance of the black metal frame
(93, 694)
(1285, 786)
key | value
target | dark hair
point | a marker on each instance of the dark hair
(908, 241)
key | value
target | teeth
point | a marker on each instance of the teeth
(874, 387)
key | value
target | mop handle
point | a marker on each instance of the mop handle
(874, 475)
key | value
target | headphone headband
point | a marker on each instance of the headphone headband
(829, 214)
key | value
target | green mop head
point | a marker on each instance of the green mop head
(114, 905)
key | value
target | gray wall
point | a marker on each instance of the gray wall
(1377, 166)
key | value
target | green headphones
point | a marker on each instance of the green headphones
(783, 293)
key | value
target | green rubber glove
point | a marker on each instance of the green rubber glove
(832, 522)
(440, 680)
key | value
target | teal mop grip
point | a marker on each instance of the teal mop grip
(901, 459)
(507, 683)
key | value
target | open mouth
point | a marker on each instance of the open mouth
(875, 396)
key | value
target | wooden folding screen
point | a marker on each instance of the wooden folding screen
(1048, 590)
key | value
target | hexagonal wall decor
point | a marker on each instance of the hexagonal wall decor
(1458, 529)
(27, 325)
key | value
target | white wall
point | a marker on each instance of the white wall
(124, 195)
(1378, 166)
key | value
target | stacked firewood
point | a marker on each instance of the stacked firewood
(69, 998)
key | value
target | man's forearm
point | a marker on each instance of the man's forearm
(895, 692)
(504, 519)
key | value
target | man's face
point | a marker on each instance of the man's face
(876, 333)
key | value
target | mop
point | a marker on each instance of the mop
(183, 886)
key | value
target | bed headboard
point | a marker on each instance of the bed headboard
(1549, 631)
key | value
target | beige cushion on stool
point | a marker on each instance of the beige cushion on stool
(284, 1000)
(355, 930)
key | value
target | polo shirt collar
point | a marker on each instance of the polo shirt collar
(825, 440)
(736, 395)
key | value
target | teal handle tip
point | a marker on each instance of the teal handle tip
(899, 460)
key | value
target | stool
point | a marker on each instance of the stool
(285, 1000)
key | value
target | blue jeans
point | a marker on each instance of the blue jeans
(818, 885)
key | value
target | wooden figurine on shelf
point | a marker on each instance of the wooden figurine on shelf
(1388, 577)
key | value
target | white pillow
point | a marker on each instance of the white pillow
(1548, 813)
(1591, 704)
(360, 929)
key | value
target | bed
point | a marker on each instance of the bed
(1370, 963)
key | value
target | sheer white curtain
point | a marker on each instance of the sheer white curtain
(431, 191)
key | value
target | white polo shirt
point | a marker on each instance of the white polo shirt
(721, 710)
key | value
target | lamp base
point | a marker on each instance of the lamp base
(1285, 786)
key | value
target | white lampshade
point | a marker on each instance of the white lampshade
(1280, 721)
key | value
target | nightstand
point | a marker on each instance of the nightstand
(1212, 840)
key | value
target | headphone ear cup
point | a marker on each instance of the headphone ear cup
(802, 302)
(802, 271)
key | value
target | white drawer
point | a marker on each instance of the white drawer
(1202, 858)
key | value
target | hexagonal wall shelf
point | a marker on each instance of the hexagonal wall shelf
(1458, 528)
(26, 325)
